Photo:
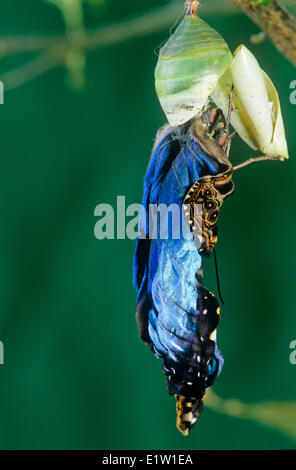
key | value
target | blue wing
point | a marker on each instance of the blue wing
(176, 314)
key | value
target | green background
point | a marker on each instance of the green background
(76, 375)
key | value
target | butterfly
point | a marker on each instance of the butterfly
(177, 315)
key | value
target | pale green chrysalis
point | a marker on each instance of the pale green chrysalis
(188, 68)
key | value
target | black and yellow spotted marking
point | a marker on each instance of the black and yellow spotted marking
(188, 411)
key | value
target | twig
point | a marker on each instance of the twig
(275, 21)
(277, 415)
(44, 62)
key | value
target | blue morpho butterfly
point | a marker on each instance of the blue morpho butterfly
(177, 315)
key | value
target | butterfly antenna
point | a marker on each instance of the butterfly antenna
(217, 277)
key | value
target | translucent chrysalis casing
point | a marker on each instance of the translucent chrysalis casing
(188, 68)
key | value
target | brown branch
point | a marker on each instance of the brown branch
(275, 21)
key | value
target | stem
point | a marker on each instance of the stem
(192, 7)
(44, 62)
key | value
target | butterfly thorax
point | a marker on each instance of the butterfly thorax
(204, 198)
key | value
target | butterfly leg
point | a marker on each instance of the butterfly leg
(229, 140)
(229, 109)
(225, 141)
(254, 160)
(222, 134)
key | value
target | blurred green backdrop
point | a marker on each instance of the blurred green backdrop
(76, 375)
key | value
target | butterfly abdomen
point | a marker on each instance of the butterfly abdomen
(188, 411)
(191, 358)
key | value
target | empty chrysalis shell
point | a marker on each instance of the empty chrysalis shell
(189, 66)
(256, 114)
